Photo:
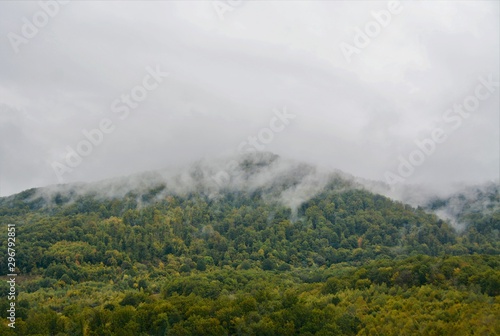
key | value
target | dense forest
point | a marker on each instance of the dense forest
(154, 262)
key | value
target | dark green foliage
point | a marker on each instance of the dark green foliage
(268, 265)
(348, 262)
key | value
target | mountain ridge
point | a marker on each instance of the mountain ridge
(288, 181)
(236, 259)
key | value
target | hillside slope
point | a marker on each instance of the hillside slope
(268, 248)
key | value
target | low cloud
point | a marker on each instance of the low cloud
(226, 77)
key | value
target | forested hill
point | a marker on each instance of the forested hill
(256, 246)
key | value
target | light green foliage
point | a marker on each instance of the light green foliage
(351, 263)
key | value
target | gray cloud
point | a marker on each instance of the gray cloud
(227, 76)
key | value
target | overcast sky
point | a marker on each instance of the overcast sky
(359, 103)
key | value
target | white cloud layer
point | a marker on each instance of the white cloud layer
(227, 75)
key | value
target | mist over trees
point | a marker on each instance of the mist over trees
(237, 259)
